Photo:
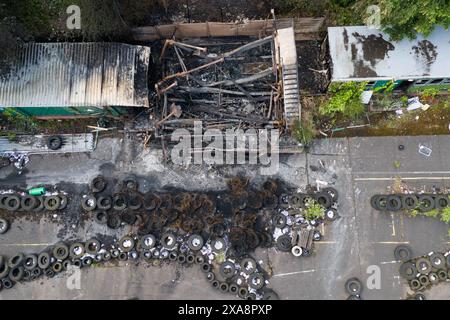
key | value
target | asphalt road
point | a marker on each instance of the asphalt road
(362, 238)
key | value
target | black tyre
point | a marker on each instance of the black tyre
(233, 288)
(394, 203)
(402, 253)
(64, 201)
(52, 203)
(57, 267)
(173, 255)
(433, 278)
(92, 246)
(331, 214)
(408, 270)
(248, 265)
(215, 284)
(181, 258)
(7, 283)
(409, 202)
(442, 274)
(424, 280)
(134, 202)
(195, 242)
(131, 183)
(381, 203)
(4, 226)
(419, 296)
(353, 286)
(218, 245)
(28, 203)
(148, 241)
(4, 270)
(441, 202)
(279, 220)
(332, 192)
(438, 260)
(190, 258)
(44, 260)
(40, 204)
(323, 198)
(98, 184)
(242, 292)
(126, 244)
(374, 202)
(223, 287)
(168, 240)
(60, 251)
(210, 276)
(54, 142)
(206, 267)
(284, 243)
(106, 256)
(426, 203)
(87, 261)
(227, 269)
(76, 250)
(423, 266)
(16, 261)
(89, 203)
(415, 285)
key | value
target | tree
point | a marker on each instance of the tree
(345, 99)
(405, 18)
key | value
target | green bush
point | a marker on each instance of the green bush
(313, 210)
(304, 133)
(345, 99)
(445, 215)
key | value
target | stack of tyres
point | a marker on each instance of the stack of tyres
(421, 202)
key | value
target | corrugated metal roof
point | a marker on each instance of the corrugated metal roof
(360, 53)
(76, 74)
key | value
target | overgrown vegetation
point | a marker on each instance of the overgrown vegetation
(313, 210)
(443, 214)
(304, 132)
(345, 99)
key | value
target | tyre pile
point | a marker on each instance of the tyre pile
(20, 201)
(294, 232)
(421, 202)
(425, 271)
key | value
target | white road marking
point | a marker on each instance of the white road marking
(402, 178)
(392, 242)
(393, 225)
(324, 242)
(292, 273)
(25, 244)
(404, 172)
(389, 262)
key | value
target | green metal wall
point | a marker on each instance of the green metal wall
(69, 111)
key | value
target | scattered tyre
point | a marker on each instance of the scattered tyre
(16, 260)
(114, 221)
(39, 204)
(4, 270)
(64, 201)
(131, 183)
(242, 292)
(54, 142)
(233, 288)
(218, 245)
(279, 220)
(415, 284)
(424, 280)
(381, 202)
(353, 286)
(296, 251)
(101, 217)
(210, 277)
(7, 283)
(441, 201)
(324, 199)
(433, 278)
(223, 287)
(331, 214)
(206, 267)
(4, 226)
(442, 274)
(402, 253)
(57, 267)
(332, 193)
(119, 202)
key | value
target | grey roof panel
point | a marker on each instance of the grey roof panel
(76, 74)
(359, 53)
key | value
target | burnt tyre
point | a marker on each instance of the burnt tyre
(402, 253)
(104, 203)
(131, 183)
(98, 184)
(409, 202)
(52, 203)
(4, 226)
(284, 243)
(101, 217)
(279, 220)
(119, 202)
(426, 203)
(54, 142)
(113, 222)
(353, 287)
(394, 203)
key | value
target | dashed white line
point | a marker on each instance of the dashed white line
(292, 273)
(402, 178)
